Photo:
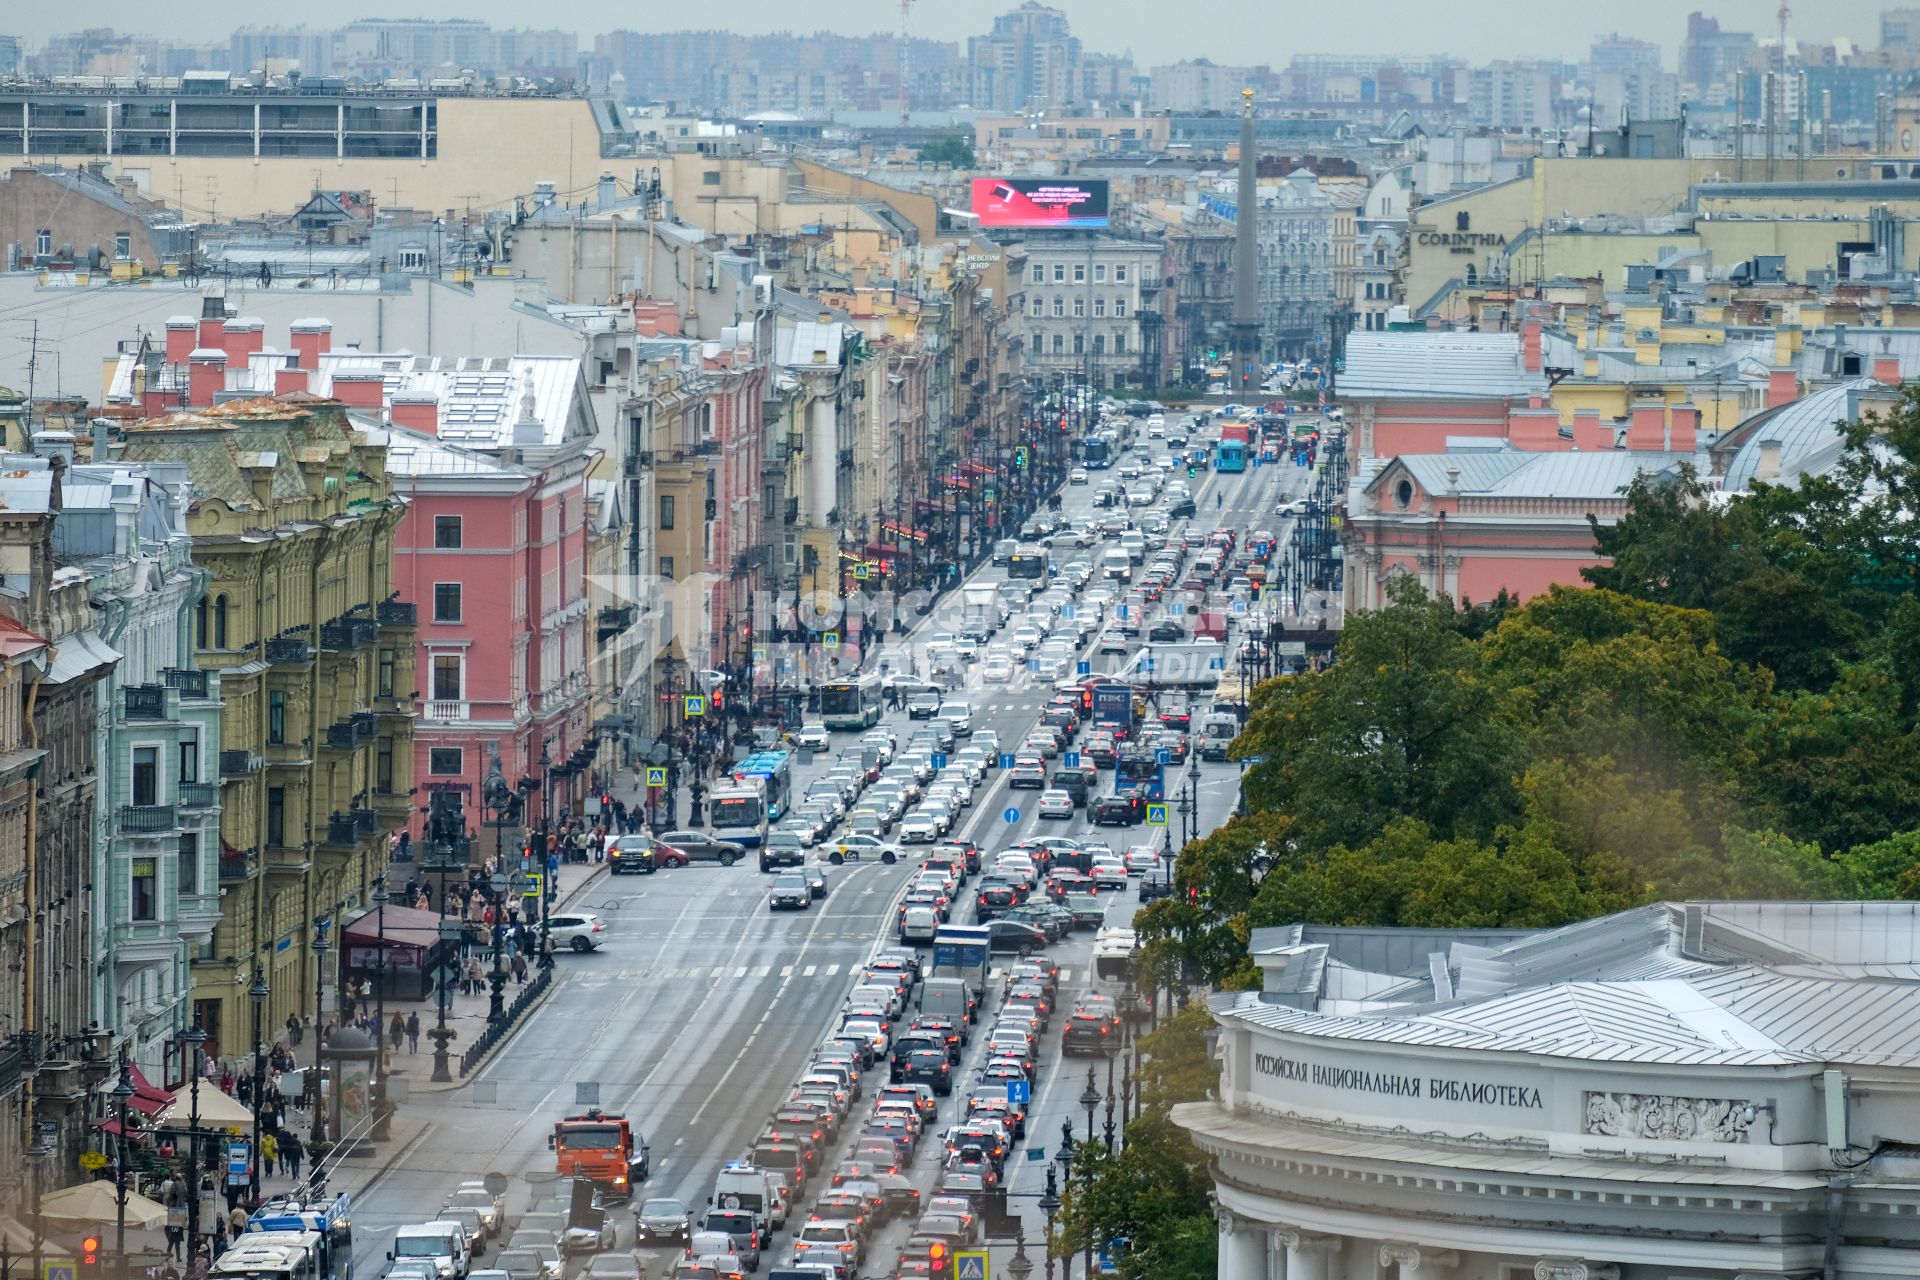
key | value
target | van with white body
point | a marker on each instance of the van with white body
(444, 1244)
(751, 1189)
(917, 926)
(1115, 563)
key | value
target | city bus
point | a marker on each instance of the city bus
(737, 811)
(1094, 454)
(774, 771)
(1029, 562)
(1116, 953)
(1230, 452)
(1135, 767)
(852, 704)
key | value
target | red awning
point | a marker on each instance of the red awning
(978, 468)
(903, 531)
(405, 927)
(110, 1126)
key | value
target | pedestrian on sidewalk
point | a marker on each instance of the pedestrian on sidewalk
(396, 1031)
(519, 969)
(269, 1154)
(476, 977)
(291, 1149)
(413, 1045)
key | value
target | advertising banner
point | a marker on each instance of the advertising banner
(1073, 204)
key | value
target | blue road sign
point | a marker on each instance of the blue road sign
(1163, 755)
(972, 1265)
(1066, 611)
(1083, 668)
(1071, 759)
(1156, 815)
(1036, 1155)
(696, 705)
(1120, 611)
(1012, 815)
(1216, 664)
(1179, 610)
(1006, 761)
(1239, 606)
(1020, 1091)
(939, 760)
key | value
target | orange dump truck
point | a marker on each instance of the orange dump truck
(602, 1148)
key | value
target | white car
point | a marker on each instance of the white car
(919, 827)
(987, 740)
(1055, 803)
(1109, 873)
(997, 670)
(1076, 476)
(974, 763)
(856, 846)
(1141, 858)
(579, 930)
(813, 737)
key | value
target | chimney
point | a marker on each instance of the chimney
(1683, 429)
(289, 378)
(417, 413)
(1647, 428)
(180, 333)
(1535, 430)
(311, 339)
(607, 192)
(1783, 387)
(1767, 468)
(1530, 344)
(1589, 432)
(1887, 369)
(206, 375)
(213, 323)
(360, 390)
(245, 336)
(102, 440)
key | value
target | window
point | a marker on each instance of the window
(1079, 308)
(220, 622)
(666, 567)
(1099, 273)
(413, 258)
(1119, 273)
(446, 602)
(446, 533)
(200, 623)
(1059, 307)
(1079, 344)
(1039, 306)
(1038, 275)
(383, 767)
(276, 817)
(447, 677)
(122, 245)
(1120, 306)
(445, 761)
(666, 510)
(1059, 273)
(1079, 273)
(140, 903)
(709, 177)
(189, 760)
(187, 877)
(276, 717)
(1059, 344)
(384, 674)
(1119, 344)
(1099, 308)
(146, 775)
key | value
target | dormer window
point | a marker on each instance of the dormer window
(1403, 494)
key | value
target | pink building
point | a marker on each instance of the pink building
(1411, 392)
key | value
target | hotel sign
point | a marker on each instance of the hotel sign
(1460, 241)
(1470, 1090)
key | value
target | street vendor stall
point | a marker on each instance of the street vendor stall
(412, 944)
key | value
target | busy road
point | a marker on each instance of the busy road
(701, 1006)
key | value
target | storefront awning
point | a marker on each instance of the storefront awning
(147, 1099)
(978, 468)
(903, 531)
(404, 927)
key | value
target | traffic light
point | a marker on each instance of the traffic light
(1192, 470)
(89, 1258)
(937, 1257)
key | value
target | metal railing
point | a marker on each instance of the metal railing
(238, 764)
(236, 865)
(146, 701)
(340, 831)
(397, 613)
(365, 632)
(191, 684)
(199, 795)
(336, 635)
(366, 822)
(496, 1031)
(286, 652)
(341, 737)
(147, 819)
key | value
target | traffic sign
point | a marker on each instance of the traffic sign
(534, 879)
(500, 882)
(696, 704)
(759, 656)
(1156, 815)
(939, 760)
(1012, 815)
(860, 571)
(1239, 606)
(1066, 611)
(1083, 668)
(972, 1265)
(1120, 611)
(1071, 759)
(1020, 460)
(1020, 1091)
(1006, 761)
(831, 639)
(58, 1269)
(1179, 610)
(1036, 1155)
(1163, 756)
(656, 776)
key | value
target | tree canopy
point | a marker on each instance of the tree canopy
(955, 150)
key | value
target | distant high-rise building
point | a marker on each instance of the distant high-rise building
(1625, 81)
(10, 55)
(1199, 85)
(1512, 95)
(1900, 30)
(1029, 59)
(1710, 56)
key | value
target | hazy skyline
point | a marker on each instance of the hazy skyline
(1237, 32)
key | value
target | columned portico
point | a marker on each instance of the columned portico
(1407, 1261)
(1242, 1253)
(1303, 1255)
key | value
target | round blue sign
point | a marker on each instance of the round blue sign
(1012, 815)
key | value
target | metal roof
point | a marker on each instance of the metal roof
(1506, 472)
(1713, 983)
(1430, 366)
(1805, 429)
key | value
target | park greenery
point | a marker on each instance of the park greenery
(1731, 709)
(954, 150)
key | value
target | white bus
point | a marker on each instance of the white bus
(1115, 955)
(738, 812)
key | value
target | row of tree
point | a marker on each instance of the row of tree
(1731, 710)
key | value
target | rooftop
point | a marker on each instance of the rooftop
(1427, 366)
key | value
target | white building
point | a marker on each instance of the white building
(1511, 95)
(1199, 85)
(1085, 295)
(1687, 1091)
(1297, 296)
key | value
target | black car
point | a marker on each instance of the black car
(1184, 507)
(1011, 936)
(1119, 809)
(906, 1046)
(631, 855)
(1166, 631)
(930, 1067)
(994, 897)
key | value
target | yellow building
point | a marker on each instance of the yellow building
(294, 518)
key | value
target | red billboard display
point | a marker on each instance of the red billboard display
(1075, 204)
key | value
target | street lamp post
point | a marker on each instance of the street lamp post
(257, 992)
(547, 868)
(380, 899)
(122, 1090)
(1090, 1102)
(1107, 1125)
(495, 796)
(197, 1036)
(1049, 1205)
(318, 1133)
(1065, 1159)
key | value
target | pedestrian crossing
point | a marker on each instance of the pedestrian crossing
(689, 973)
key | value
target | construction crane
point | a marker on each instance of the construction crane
(906, 59)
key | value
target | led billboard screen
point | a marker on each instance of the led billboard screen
(1078, 204)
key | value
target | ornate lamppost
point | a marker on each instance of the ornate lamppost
(318, 1133)
(497, 797)
(122, 1091)
(257, 993)
(195, 1037)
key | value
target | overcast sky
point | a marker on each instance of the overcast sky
(1227, 31)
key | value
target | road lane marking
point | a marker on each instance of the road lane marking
(809, 971)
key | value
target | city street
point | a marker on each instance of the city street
(696, 1012)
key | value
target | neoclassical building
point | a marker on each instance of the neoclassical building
(1687, 1091)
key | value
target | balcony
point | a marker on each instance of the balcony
(341, 737)
(397, 613)
(288, 861)
(366, 725)
(13, 1065)
(614, 619)
(147, 819)
(441, 709)
(341, 832)
(191, 684)
(146, 701)
(366, 822)
(238, 764)
(199, 795)
(235, 864)
(336, 636)
(289, 653)
(365, 632)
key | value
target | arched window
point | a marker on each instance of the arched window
(200, 624)
(220, 622)
(1473, 274)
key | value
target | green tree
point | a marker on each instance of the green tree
(955, 150)
(1672, 547)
